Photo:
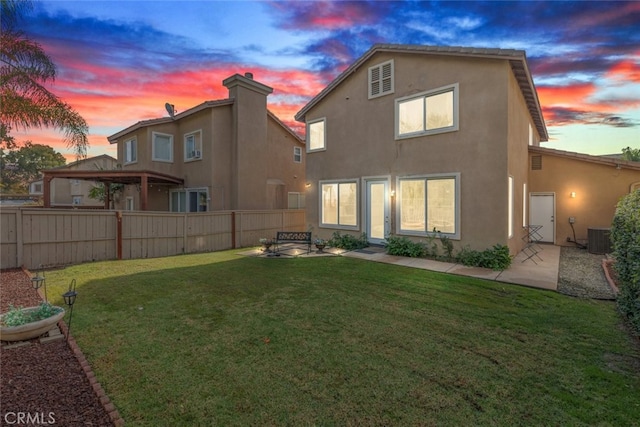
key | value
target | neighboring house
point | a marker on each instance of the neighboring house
(219, 155)
(574, 196)
(410, 139)
(74, 192)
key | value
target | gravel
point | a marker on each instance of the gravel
(581, 275)
(47, 381)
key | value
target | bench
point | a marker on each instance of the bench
(293, 237)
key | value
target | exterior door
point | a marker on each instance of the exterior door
(542, 208)
(377, 210)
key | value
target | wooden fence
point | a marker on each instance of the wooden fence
(34, 237)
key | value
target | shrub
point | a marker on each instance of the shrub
(348, 241)
(402, 246)
(625, 236)
(496, 258)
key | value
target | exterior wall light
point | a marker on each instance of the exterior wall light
(573, 194)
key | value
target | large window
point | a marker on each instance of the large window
(162, 147)
(189, 200)
(339, 204)
(193, 146)
(427, 113)
(381, 79)
(428, 204)
(131, 151)
(316, 139)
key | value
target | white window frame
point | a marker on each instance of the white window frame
(196, 153)
(378, 74)
(130, 151)
(153, 147)
(295, 200)
(187, 194)
(76, 200)
(424, 96)
(337, 225)
(297, 154)
(512, 206)
(323, 146)
(129, 206)
(456, 177)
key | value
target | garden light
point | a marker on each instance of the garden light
(70, 299)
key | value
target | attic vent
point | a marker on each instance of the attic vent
(536, 163)
(381, 79)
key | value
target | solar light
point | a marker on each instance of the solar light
(38, 280)
(70, 300)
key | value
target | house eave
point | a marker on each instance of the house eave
(613, 162)
(516, 58)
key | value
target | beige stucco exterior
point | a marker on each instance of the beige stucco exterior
(246, 158)
(489, 144)
(598, 183)
(75, 192)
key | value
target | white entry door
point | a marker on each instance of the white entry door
(542, 209)
(377, 210)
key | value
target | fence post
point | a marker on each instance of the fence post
(19, 238)
(119, 234)
(233, 229)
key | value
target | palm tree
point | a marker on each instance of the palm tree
(24, 70)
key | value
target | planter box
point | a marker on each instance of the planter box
(30, 330)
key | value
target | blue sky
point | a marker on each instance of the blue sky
(120, 61)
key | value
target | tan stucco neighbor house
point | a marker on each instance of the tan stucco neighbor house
(220, 155)
(411, 139)
(73, 192)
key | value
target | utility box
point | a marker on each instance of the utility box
(599, 240)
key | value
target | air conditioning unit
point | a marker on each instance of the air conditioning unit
(197, 154)
(599, 240)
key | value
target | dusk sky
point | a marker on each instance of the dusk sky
(119, 62)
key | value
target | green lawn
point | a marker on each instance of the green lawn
(220, 339)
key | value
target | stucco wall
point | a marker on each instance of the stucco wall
(598, 187)
(361, 141)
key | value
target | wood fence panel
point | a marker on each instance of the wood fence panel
(9, 238)
(36, 237)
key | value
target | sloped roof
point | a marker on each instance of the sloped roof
(603, 160)
(517, 59)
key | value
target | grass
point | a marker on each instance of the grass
(219, 339)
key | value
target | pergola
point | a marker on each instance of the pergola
(128, 177)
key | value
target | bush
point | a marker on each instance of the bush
(625, 235)
(402, 246)
(496, 258)
(348, 241)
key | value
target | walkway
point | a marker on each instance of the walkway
(539, 272)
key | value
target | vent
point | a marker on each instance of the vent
(536, 163)
(599, 240)
(381, 79)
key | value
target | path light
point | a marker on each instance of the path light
(39, 280)
(70, 299)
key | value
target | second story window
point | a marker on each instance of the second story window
(297, 155)
(131, 151)
(193, 146)
(162, 147)
(427, 113)
(316, 139)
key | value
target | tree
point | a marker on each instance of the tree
(631, 154)
(22, 166)
(25, 69)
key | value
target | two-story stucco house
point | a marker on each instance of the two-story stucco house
(220, 155)
(412, 139)
(74, 192)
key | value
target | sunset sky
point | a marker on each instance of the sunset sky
(119, 62)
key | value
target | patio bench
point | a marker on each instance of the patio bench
(303, 237)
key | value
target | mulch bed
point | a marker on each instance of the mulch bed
(44, 381)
